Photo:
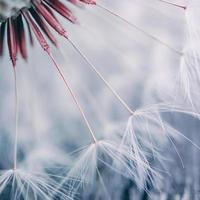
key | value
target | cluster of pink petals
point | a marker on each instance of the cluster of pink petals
(37, 18)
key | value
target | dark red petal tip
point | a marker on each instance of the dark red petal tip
(2, 36)
(11, 42)
(93, 2)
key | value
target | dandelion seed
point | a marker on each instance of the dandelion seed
(25, 185)
(140, 157)
(153, 112)
(114, 156)
(189, 71)
(130, 127)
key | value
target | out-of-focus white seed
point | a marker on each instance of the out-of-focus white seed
(10, 8)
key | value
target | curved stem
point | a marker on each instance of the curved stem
(16, 119)
(74, 98)
(124, 104)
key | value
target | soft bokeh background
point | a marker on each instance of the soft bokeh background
(143, 71)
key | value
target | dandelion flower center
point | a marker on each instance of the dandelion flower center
(10, 8)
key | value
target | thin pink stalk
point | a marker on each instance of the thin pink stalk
(16, 120)
(46, 48)
(174, 4)
(124, 104)
(74, 97)
(58, 27)
(140, 29)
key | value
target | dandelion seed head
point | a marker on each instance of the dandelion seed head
(130, 155)
(113, 156)
(37, 16)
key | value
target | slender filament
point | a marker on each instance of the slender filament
(179, 53)
(16, 119)
(124, 104)
(173, 4)
(68, 86)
